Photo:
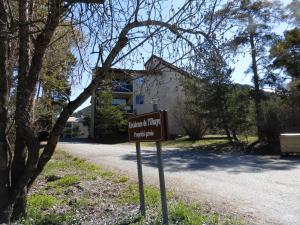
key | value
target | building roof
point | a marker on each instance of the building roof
(167, 64)
(129, 72)
(137, 73)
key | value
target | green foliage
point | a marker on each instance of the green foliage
(112, 119)
(131, 195)
(286, 53)
(46, 208)
(70, 163)
(122, 179)
(41, 201)
(280, 114)
(66, 181)
(54, 84)
(191, 119)
(271, 124)
(181, 214)
(239, 110)
(219, 103)
(87, 120)
(38, 213)
(254, 32)
(36, 217)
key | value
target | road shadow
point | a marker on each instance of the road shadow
(176, 160)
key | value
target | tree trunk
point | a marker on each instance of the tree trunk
(257, 95)
(6, 208)
(225, 125)
(235, 136)
(19, 209)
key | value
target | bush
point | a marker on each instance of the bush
(271, 125)
(193, 126)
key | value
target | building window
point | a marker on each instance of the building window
(139, 99)
(121, 86)
(119, 101)
(140, 81)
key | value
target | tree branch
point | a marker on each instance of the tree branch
(85, 1)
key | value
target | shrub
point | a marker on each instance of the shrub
(271, 126)
(191, 123)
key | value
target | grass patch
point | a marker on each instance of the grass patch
(39, 211)
(62, 202)
(131, 196)
(66, 181)
(209, 140)
(121, 179)
(85, 202)
(180, 213)
(37, 217)
(41, 201)
(186, 142)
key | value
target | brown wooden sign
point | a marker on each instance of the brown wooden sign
(148, 127)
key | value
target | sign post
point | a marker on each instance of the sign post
(140, 175)
(161, 174)
(150, 127)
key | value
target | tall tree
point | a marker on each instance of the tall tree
(286, 53)
(294, 12)
(119, 30)
(254, 28)
(54, 87)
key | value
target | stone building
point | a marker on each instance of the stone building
(159, 83)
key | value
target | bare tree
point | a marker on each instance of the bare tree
(118, 31)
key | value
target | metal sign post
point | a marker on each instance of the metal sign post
(161, 174)
(150, 127)
(140, 175)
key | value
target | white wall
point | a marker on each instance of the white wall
(164, 89)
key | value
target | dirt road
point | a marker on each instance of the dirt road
(263, 189)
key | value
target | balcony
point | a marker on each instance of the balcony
(121, 86)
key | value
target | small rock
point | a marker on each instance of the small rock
(72, 202)
(52, 178)
(79, 187)
(69, 191)
(110, 208)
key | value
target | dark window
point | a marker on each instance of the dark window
(119, 101)
(139, 99)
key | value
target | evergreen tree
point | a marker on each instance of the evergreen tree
(254, 21)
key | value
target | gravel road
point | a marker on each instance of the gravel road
(262, 189)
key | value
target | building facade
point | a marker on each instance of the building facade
(139, 90)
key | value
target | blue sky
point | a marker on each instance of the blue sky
(238, 76)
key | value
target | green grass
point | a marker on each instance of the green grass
(39, 211)
(65, 181)
(36, 217)
(121, 179)
(64, 162)
(43, 203)
(183, 214)
(180, 213)
(185, 142)
(131, 195)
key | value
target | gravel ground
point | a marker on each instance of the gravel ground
(262, 189)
